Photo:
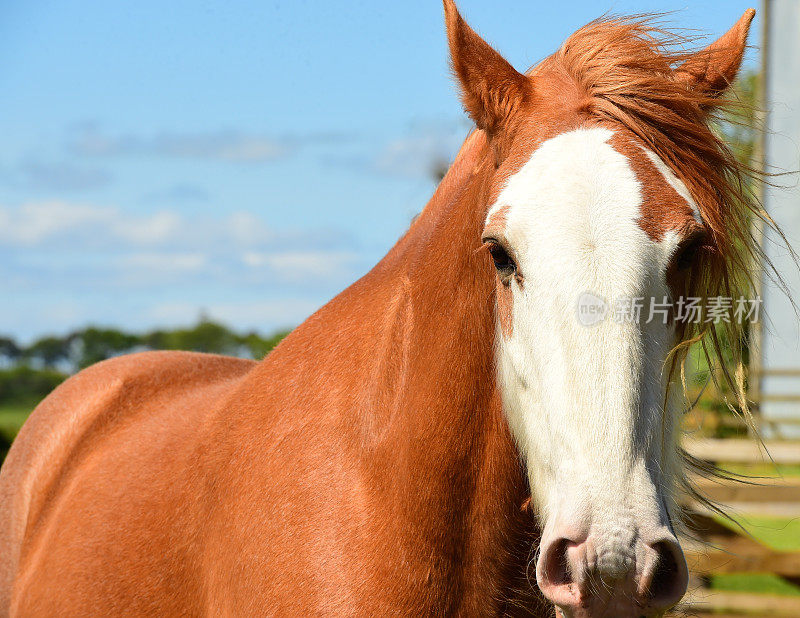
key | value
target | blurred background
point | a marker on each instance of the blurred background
(204, 175)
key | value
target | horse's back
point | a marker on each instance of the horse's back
(109, 455)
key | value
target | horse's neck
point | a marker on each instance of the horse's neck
(402, 364)
(437, 326)
(441, 407)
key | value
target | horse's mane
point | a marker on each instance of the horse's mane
(627, 68)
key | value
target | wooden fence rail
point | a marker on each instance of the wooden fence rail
(702, 603)
(724, 550)
(747, 451)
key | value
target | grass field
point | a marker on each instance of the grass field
(778, 533)
(12, 416)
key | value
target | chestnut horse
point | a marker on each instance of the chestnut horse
(446, 433)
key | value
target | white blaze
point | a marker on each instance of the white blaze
(585, 401)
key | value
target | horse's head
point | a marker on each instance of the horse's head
(606, 195)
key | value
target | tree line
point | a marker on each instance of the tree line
(32, 371)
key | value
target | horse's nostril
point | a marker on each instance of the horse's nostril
(557, 567)
(669, 576)
(556, 572)
(665, 571)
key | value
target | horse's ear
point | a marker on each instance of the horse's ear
(712, 69)
(490, 87)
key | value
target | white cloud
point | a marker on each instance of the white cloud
(165, 262)
(50, 223)
(285, 312)
(293, 264)
(220, 145)
(157, 228)
(73, 247)
(36, 222)
(424, 151)
(247, 229)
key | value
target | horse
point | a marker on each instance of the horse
(448, 436)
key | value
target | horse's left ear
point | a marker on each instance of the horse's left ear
(712, 69)
(490, 87)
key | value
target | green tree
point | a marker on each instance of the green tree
(93, 345)
(259, 346)
(206, 336)
(26, 385)
(10, 350)
(49, 351)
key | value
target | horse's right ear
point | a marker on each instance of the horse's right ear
(490, 87)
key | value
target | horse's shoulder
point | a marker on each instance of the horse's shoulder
(133, 378)
(137, 414)
(118, 388)
(160, 390)
(162, 368)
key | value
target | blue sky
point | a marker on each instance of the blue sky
(247, 160)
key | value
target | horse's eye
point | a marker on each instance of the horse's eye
(686, 257)
(687, 254)
(502, 261)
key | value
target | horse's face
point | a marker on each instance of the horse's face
(590, 233)
(577, 250)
